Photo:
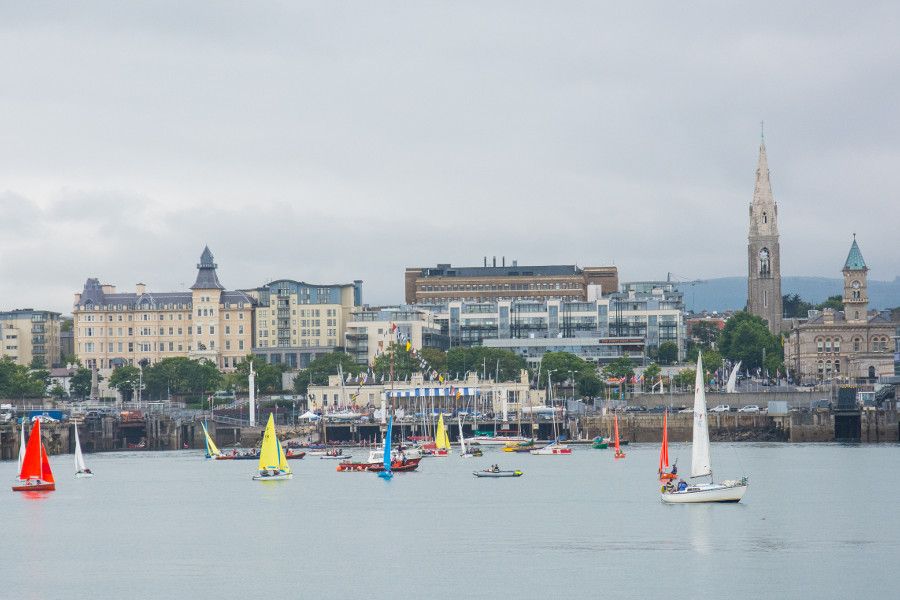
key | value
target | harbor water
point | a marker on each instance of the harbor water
(818, 521)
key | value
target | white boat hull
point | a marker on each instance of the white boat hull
(280, 477)
(500, 440)
(81, 475)
(707, 492)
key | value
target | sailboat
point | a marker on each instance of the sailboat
(22, 444)
(664, 453)
(273, 464)
(35, 474)
(212, 451)
(462, 443)
(386, 473)
(441, 439)
(619, 453)
(731, 386)
(726, 491)
(81, 471)
(554, 448)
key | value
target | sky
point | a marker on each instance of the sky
(333, 141)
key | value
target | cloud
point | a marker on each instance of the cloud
(332, 142)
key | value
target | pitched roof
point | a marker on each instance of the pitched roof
(206, 273)
(855, 261)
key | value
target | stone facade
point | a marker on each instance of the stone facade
(843, 346)
(763, 251)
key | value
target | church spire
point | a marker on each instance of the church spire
(206, 273)
(762, 193)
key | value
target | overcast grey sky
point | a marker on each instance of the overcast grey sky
(347, 140)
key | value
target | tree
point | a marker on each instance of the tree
(685, 378)
(651, 375)
(705, 334)
(321, 367)
(404, 363)
(621, 367)
(58, 391)
(589, 384)
(436, 358)
(744, 339)
(126, 379)
(836, 302)
(80, 384)
(268, 376)
(38, 362)
(179, 375)
(668, 353)
(794, 306)
(18, 381)
(485, 361)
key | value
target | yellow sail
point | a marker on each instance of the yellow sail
(269, 454)
(282, 460)
(441, 441)
(210, 444)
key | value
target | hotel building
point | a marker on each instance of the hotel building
(207, 322)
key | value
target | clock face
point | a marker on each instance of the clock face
(855, 285)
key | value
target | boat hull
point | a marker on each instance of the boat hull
(42, 486)
(279, 477)
(500, 440)
(83, 475)
(497, 474)
(711, 492)
(551, 451)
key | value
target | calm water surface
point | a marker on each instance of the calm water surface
(819, 521)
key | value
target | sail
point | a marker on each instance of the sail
(22, 444)
(46, 473)
(211, 448)
(616, 430)
(79, 458)
(731, 386)
(664, 448)
(441, 441)
(700, 464)
(31, 462)
(462, 441)
(282, 458)
(269, 453)
(387, 445)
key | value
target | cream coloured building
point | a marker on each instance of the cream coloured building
(298, 321)
(26, 334)
(849, 345)
(112, 328)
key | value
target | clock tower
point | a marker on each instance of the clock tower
(856, 296)
(763, 251)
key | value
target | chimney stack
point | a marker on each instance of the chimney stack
(485, 261)
(139, 289)
(504, 261)
(495, 261)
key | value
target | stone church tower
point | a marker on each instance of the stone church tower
(763, 253)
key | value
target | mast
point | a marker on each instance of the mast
(251, 379)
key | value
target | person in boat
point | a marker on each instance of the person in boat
(87, 471)
(682, 485)
(675, 468)
(264, 473)
(669, 487)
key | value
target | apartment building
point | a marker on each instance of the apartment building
(27, 334)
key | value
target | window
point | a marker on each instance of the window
(828, 345)
(240, 344)
(212, 330)
(856, 342)
(227, 330)
(819, 345)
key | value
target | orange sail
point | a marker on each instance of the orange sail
(32, 463)
(46, 473)
(664, 448)
(619, 453)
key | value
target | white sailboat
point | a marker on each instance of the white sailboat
(81, 471)
(726, 491)
(463, 452)
(731, 386)
(21, 446)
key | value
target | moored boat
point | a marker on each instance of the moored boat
(212, 451)
(600, 443)
(552, 449)
(81, 471)
(496, 472)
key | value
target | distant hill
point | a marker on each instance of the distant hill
(730, 293)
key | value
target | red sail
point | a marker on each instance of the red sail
(45, 466)
(31, 464)
(664, 449)
(617, 433)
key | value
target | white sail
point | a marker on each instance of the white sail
(21, 446)
(462, 439)
(700, 463)
(79, 458)
(731, 386)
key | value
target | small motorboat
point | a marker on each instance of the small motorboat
(552, 449)
(291, 455)
(492, 472)
(600, 443)
(397, 466)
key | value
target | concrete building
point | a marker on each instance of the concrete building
(370, 331)
(600, 329)
(409, 397)
(208, 322)
(853, 345)
(445, 283)
(763, 250)
(298, 321)
(27, 334)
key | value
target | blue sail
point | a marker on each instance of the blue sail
(387, 474)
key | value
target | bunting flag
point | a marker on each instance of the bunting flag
(408, 345)
(393, 327)
(441, 378)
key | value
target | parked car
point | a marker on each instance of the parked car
(720, 408)
(635, 409)
(686, 410)
(750, 408)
